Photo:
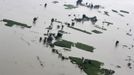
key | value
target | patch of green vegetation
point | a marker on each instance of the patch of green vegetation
(64, 43)
(91, 67)
(96, 31)
(84, 47)
(69, 6)
(11, 23)
(84, 31)
(69, 44)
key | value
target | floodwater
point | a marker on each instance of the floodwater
(19, 48)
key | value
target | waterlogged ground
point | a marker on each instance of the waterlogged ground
(21, 53)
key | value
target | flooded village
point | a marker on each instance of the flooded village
(66, 37)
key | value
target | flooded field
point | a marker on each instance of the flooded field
(66, 37)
